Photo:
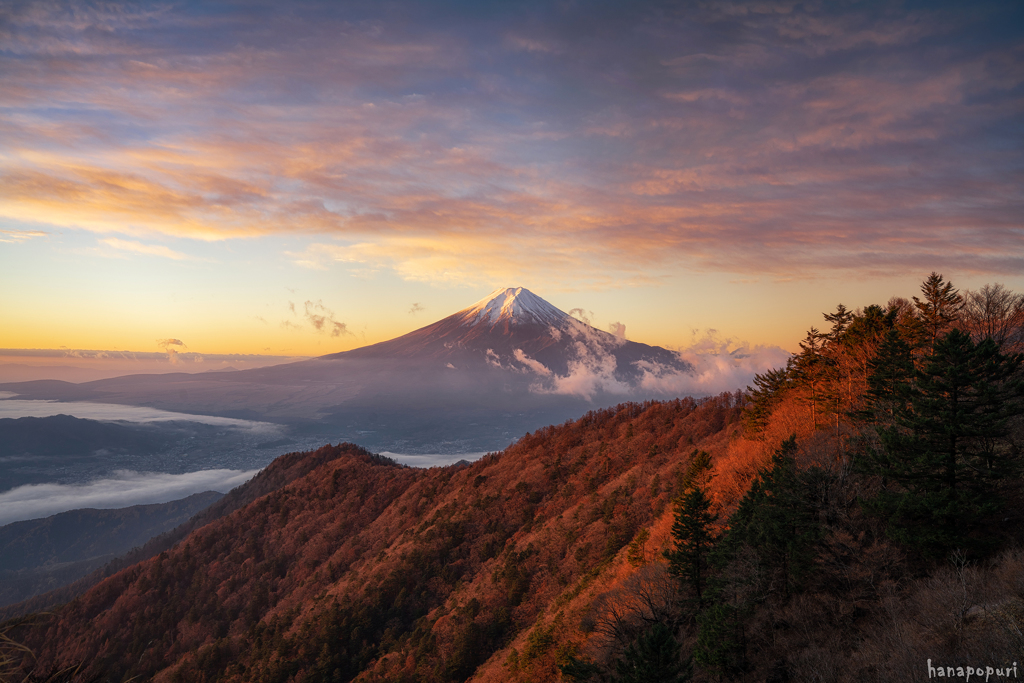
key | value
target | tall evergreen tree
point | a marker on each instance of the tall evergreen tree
(840, 320)
(939, 308)
(810, 370)
(890, 380)
(869, 326)
(776, 518)
(837, 380)
(693, 529)
(768, 391)
(577, 669)
(721, 646)
(945, 447)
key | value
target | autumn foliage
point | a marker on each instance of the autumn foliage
(727, 538)
(366, 566)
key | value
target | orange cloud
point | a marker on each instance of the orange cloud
(748, 155)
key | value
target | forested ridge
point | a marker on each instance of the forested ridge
(849, 517)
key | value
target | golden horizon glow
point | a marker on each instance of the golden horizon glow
(206, 173)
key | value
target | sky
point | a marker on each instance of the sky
(294, 179)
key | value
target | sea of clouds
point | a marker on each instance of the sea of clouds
(120, 489)
(15, 408)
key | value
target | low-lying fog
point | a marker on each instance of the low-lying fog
(122, 489)
(11, 407)
(432, 459)
(58, 456)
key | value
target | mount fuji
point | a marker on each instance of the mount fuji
(516, 330)
(473, 381)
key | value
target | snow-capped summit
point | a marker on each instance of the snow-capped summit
(496, 369)
(514, 330)
(513, 304)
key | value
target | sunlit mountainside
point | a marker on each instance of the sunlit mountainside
(473, 381)
(845, 514)
(443, 341)
(355, 560)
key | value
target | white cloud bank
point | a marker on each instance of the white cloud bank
(122, 489)
(717, 364)
(15, 408)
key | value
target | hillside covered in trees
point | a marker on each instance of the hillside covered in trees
(849, 517)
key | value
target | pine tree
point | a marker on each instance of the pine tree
(810, 370)
(776, 518)
(840, 320)
(654, 657)
(578, 669)
(693, 528)
(890, 377)
(945, 446)
(940, 307)
(836, 372)
(767, 392)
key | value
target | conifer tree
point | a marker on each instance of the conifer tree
(577, 669)
(767, 392)
(890, 376)
(945, 446)
(940, 307)
(776, 519)
(840, 320)
(693, 528)
(720, 642)
(654, 657)
(810, 369)
(835, 372)
(855, 349)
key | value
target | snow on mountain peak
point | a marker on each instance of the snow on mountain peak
(514, 304)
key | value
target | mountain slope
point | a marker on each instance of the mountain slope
(552, 550)
(283, 471)
(515, 329)
(363, 566)
(41, 554)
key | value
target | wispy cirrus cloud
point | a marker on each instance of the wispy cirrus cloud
(19, 236)
(146, 249)
(603, 146)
